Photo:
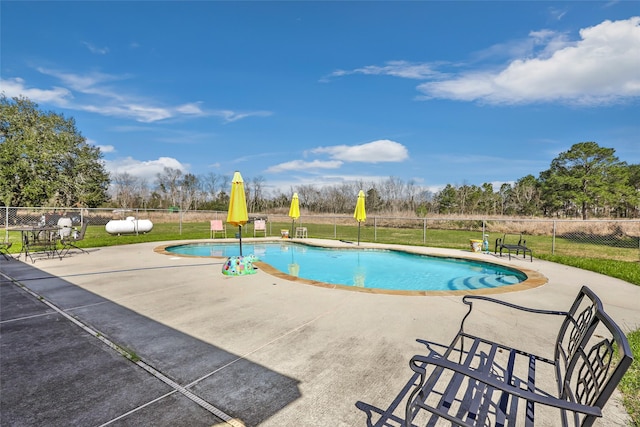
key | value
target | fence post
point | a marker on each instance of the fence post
(424, 231)
(335, 227)
(6, 223)
(553, 239)
(375, 228)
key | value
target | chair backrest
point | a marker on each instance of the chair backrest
(259, 226)
(217, 226)
(592, 353)
(83, 230)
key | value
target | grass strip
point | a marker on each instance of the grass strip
(628, 271)
(630, 383)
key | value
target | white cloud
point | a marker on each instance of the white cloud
(141, 113)
(404, 69)
(96, 50)
(301, 165)
(15, 87)
(232, 116)
(600, 68)
(95, 92)
(556, 13)
(192, 108)
(92, 83)
(382, 150)
(540, 43)
(106, 148)
(145, 169)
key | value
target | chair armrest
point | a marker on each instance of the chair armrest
(467, 299)
(418, 364)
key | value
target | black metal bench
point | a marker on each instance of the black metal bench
(508, 242)
(480, 382)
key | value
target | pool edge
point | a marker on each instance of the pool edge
(534, 279)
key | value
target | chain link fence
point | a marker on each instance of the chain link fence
(604, 239)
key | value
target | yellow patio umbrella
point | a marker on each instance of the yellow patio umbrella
(294, 211)
(360, 214)
(237, 214)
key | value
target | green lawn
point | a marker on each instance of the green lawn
(630, 384)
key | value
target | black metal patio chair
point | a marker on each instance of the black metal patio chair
(70, 241)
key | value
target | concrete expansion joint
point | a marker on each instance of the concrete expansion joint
(190, 395)
(130, 355)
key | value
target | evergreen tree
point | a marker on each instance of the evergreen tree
(44, 160)
(586, 178)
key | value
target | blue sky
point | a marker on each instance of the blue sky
(323, 93)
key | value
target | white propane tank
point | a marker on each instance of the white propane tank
(128, 226)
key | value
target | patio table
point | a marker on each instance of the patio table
(38, 239)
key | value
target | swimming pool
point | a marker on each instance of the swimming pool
(366, 268)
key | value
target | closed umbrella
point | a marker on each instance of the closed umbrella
(360, 214)
(294, 211)
(237, 205)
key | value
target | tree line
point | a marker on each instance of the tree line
(44, 160)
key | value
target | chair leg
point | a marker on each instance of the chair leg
(4, 250)
(68, 247)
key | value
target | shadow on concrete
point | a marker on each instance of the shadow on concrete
(56, 373)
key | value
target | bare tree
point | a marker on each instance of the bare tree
(504, 194)
(168, 182)
(309, 197)
(188, 191)
(144, 192)
(255, 197)
(340, 198)
(392, 192)
(411, 196)
(125, 189)
(211, 185)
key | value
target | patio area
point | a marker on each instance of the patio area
(252, 350)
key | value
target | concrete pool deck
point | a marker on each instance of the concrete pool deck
(250, 350)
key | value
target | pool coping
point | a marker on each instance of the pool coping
(534, 278)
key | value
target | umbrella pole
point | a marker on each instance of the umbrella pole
(240, 234)
(292, 223)
(358, 233)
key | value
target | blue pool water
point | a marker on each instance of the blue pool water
(380, 269)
